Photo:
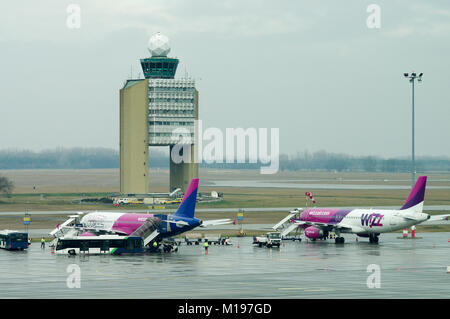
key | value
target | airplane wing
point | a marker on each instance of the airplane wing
(215, 222)
(303, 223)
(325, 226)
(437, 220)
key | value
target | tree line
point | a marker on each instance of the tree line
(77, 158)
(6, 186)
(322, 160)
(83, 158)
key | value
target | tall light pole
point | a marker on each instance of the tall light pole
(412, 77)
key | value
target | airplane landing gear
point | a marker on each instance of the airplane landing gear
(373, 238)
(338, 239)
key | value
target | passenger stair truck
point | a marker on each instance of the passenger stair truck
(148, 230)
(285, 226)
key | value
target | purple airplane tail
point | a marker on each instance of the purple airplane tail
(417, 193)
(187, 205)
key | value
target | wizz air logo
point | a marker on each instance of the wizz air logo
(371, 220)
(94, 224)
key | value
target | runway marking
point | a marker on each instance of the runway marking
(292, 288)
(309, 289)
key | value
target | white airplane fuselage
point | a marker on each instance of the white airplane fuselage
(318, 222)
(366, 221)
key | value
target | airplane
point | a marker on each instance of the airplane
(151, 227)
(317, 223)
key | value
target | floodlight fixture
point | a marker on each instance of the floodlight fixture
(413, 164)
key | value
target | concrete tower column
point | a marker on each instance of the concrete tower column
(134, 137)
(181, 174)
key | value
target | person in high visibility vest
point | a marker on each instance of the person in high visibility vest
(42, 242)
(206, 245)
(155, 245)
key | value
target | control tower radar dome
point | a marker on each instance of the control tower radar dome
(158, 45)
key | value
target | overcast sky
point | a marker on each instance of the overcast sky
(313, 69)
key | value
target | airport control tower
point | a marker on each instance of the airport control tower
(151, 109)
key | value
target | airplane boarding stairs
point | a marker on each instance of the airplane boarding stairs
(148, 230)
(69, 228)
(286, 226)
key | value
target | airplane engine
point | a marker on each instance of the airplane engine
(313, 232)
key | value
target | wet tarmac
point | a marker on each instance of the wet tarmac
(407, 269)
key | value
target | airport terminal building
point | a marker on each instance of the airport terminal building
(151, 109)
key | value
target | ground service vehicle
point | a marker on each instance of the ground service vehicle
(103, 244)
(13, 240)
(269, 240)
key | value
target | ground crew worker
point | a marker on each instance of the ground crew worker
(206, 246)
(42, 242)
(155, 245)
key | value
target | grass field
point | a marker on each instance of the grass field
(61, 190)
